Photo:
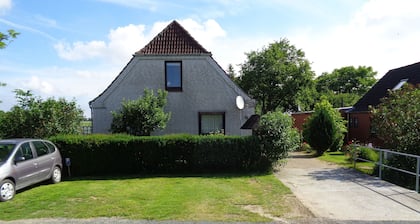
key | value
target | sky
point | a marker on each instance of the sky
(73, 49)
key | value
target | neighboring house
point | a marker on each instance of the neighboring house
(201, 97)
(359, 119)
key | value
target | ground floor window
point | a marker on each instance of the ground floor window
(211, 123)
(354, 122)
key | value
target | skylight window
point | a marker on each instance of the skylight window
(400, 84)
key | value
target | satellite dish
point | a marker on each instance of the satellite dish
(240, 104)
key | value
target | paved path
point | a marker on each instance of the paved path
(333, 192)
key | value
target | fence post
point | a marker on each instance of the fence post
(380, 164)
(417, 174)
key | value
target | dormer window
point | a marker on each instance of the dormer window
(173, 76)
(400, 84)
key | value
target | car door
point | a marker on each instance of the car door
(43, 160)
(25, 167)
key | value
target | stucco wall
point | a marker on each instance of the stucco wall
(205, 89)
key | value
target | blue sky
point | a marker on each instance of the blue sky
(74, 48)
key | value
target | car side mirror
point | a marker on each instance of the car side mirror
(19, 159)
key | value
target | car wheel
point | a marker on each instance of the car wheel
(56, 175)
(7, 190)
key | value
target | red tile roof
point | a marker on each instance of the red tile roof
(174, 39)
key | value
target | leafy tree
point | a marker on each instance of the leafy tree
(33, 117)
(6, 38)
(344, 86)
(276, 76)
(277, 136)
(141, 116)
(396, 119)
(340, 99)
(396, 122)
(325, 128)
(231, 72)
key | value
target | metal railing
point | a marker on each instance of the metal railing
(383, 153)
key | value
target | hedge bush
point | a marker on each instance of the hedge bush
(124, 154)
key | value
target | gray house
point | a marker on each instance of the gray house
(201, 97)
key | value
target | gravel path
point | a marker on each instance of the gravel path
(333, 192)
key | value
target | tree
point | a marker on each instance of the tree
(396, 119)
(276, 76)
(344, 86)
(325, 128)
(141, 116)
(33, 117)
(5, 39)
(231, 72)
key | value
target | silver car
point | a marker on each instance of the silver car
(24, 162)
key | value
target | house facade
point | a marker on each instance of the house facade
(359, 118)
(201, 98)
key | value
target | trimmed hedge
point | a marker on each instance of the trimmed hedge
(125, 154)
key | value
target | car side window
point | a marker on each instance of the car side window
(40, 148)
(24, 151)
(50, 146)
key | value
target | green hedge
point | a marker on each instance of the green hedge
(124, 154)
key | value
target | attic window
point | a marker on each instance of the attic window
(173, 76)
(400, 84)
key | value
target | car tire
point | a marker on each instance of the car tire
(7, 190)
(56, 175)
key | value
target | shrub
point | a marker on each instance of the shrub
(277, 136)
(142, 116)
(125, 154)
(397, 177)
(396, 120)
(325, 128)
(306, 147)
(368, 154)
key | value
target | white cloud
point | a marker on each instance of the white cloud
(121, 44)
(5, 5)
(381, 34)
(124, 41)
(82, 85)
(35, 83)
(205, 33)
(80, 50)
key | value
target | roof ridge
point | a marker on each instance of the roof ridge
(173, 39)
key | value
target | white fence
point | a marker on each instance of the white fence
(384, 153)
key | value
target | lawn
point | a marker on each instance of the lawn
(344, 160)
(223, 198)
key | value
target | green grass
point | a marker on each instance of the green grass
(208, 198)
(344, 160)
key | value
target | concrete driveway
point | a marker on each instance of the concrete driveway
(333, 192)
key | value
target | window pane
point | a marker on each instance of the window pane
(40, 148)
(25, 151)
(173, 74)
(211, 124)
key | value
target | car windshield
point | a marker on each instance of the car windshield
(5, 150)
